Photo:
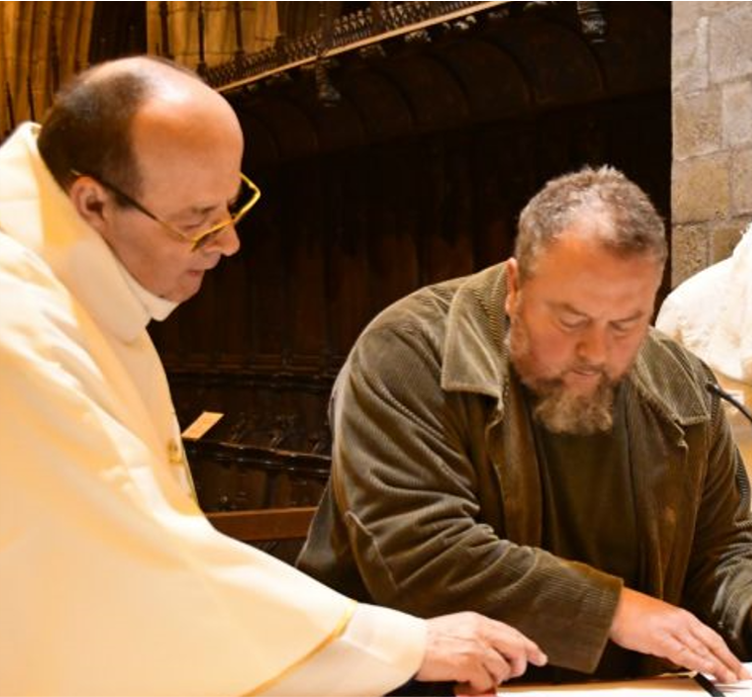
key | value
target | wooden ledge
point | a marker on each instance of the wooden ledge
(264, 524)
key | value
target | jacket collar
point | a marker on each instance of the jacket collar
(38, 214)
(476, 356)
(475, 352)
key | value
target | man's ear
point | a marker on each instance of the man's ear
(513, 285)
(89, 199)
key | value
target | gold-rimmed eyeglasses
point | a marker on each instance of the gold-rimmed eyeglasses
(246, 199)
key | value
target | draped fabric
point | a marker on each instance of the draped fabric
(258, 28)
(41, 45)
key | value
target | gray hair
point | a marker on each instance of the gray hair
(625, 221)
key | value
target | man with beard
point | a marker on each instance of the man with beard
(521, 443)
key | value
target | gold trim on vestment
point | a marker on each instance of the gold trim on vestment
(333, 636)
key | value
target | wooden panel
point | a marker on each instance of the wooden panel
(417, 176)
(269, 524)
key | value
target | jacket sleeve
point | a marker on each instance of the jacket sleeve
(720, 573)
(406, 483)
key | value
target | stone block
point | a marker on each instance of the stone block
(741, 182)
(725, 236)
(730, 50)
(690, 251)
(686, 15)
(689, 57)
(697, 124)
(700, 189)
(737, 113)
(714, 8)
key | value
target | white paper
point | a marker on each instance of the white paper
(201, 425)
(743, 687)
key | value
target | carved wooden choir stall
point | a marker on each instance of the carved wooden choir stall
(394, 148)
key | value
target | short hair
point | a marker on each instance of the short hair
(88, 126)
(626, 221)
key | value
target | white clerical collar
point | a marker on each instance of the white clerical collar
(157, 308)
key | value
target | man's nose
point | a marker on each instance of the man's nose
(593, 347)
(226, 241)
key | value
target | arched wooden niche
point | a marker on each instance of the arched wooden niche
(504, 68)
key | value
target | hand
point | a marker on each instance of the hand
(648, 625)
(476, 651)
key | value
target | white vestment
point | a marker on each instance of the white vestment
(111, 579)
(710, 313)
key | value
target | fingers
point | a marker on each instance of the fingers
(726, 666)
(515, 647)
(487, 674)
(648, 625)
(698, 658)
(533, 653)
(505, 655)
(478, 652)
(481, 672)
(695, 646)
(498, 668)
(463, 689)
(476, 664)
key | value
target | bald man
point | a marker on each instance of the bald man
(112, 580)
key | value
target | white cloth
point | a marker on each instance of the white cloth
(371, 643)
(711, 314)
(111, 579)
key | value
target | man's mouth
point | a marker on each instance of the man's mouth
(587, 378)
(587, 373)
(199, 272)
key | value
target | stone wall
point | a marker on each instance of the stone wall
(712, 132)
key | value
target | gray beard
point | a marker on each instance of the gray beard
(561, 412)
(555, 407)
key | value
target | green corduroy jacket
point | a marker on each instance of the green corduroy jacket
(434, 503)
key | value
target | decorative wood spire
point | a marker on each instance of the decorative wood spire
(30, 98)
(592, 21)
(201, 67)
(9, 103)
(164, 28)
(238, 12)
(54, 58)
